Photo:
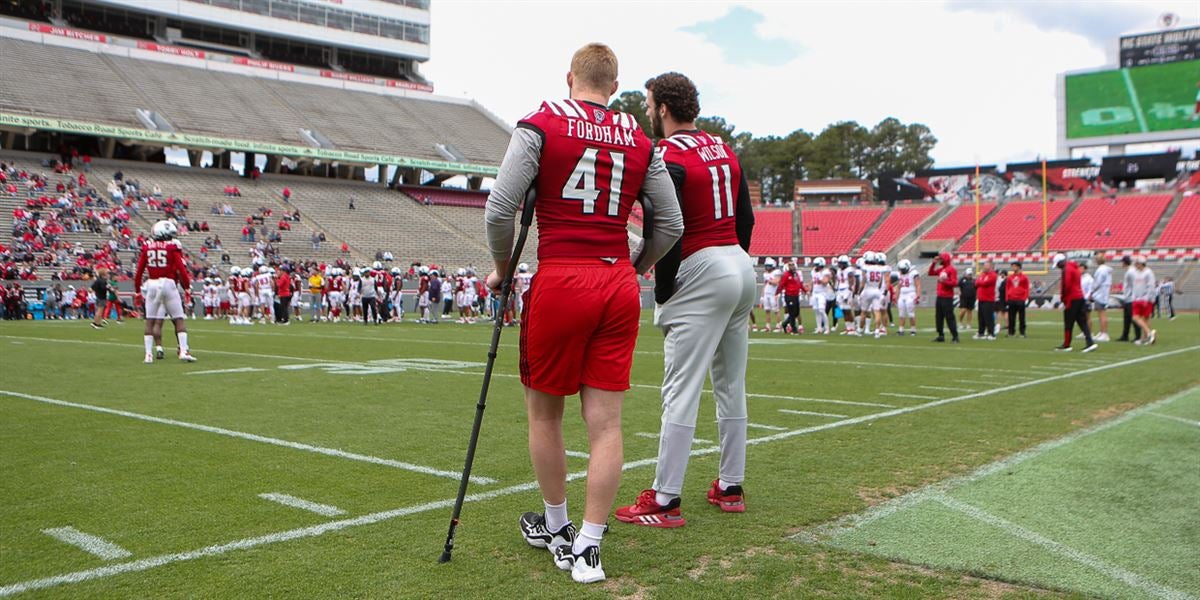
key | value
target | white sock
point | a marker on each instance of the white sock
(664, 499)
(589, 535)
(556, 515)
(724, 485)
(149, 339)
(183, 345)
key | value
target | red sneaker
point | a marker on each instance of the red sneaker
(647, 511)
(730, 500)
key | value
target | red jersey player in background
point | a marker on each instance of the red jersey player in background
(587, 165)
(162, 260)
(1074, 306)
(704, 290)
(947, 280)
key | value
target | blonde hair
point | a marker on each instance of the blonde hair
(595, 66)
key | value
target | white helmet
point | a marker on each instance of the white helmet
(523, 267)
(264, 269)
(423, 270)
(905, 265)
(843, 260)
(819, 261)
(356, 273)
(235, 270)
(860, 262)
(164, 230)
(770, 262)
(377, 265)
(1058, 260)
(395, 270)
(461, 272)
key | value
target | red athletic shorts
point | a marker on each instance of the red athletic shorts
(1142, 308)
(579, 326)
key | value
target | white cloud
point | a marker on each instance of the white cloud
(983, 80)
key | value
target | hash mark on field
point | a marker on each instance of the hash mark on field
(1097, 564)
(811, 413)
(222, 371)
(821, 400)
(577, 454)
(387, 462)
(655, 436)
(324, 510)
(317, 530)
(94, 545)
(945, 388)
(1174, 418)
(767, 427)
(913, 396)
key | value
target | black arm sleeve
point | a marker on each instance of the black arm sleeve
(668, 265)
(744, 215)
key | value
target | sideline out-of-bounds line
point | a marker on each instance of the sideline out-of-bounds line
(317, 530)
(253, 437)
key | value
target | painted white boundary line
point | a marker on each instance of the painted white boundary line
(822, 400)
(577, 454)
(387, 462)
(913, 396)
(94, 545)
(224, 371)
(324, 510)
(767, 427)
(317, 530)
(945, 388)
(811, 413)
(1174, 418)
(1095, 563)
(655, 436)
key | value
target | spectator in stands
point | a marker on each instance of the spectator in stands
(227, 210)
(316, 241)
(87, 163)
(215, 209)
(351, 202)
(296, 215)
(287, 194)
(118, 176)
(284, 225)
(345, 248)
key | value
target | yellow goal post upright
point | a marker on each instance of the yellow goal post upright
(1045, 270)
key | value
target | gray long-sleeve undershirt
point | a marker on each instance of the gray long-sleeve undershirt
(520, 168)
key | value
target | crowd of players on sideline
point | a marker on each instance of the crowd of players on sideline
(862, 294)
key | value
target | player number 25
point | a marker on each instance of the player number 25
(156, 258)
(581, 184)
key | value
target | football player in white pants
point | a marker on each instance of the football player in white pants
(821, 289)
(770, 295)
(875, 279)
(846, 289)
(161, 260)
(910, 294)
(704, 292)
(265, 289)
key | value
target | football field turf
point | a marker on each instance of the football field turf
(322, 461)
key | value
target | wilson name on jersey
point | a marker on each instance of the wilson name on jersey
(711, 178)
(592, 166)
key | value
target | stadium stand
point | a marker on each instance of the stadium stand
(772, 233)
(1016, 226)
(67, 84)
(1183, 230)
(959, 223)
(827, 232)
(1109, 223)
(900, 221)
(432, 196)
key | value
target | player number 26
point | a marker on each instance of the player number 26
(581, 184)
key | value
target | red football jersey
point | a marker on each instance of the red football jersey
(592, 166)
(710, 187)
(161, 259)
(238, 284)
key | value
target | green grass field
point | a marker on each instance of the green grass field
(166, 465)
(1138, 100)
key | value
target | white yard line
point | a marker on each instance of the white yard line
(1095, 563)
(913, 396)
(94, 545)
(577, 454)
(767, 427)
(1174, 418)
(945, 388)
(387, 462)
(822, 400)
(811, 413)
(224, 371)
(324, 510)
(317, 530)
(655, 436)
(1133, 97)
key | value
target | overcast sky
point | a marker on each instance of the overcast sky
(980, 74)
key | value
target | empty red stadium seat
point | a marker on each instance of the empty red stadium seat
(1016, 226)
(829, 232)
(446, 196)
(1184, 227)
(958, 223)
(772, 233)
(1110, 223)
(897, 224)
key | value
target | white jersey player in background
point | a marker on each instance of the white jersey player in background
(875, 275)
(770, 296)
(264, 293)
(846, 281)
(822, 290)
(523, 280)
(1101, 291)
(909, 296)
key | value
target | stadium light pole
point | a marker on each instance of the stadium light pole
(976, 215)
(505, 293)
(1045, 223)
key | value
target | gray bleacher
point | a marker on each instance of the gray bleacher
(67, 84)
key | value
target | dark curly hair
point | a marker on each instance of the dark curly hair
(678, 93)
